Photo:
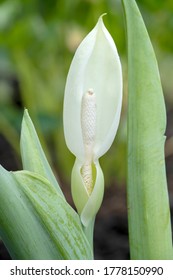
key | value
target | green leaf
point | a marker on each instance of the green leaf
(148, 203)
(33, 157)
(36, 222)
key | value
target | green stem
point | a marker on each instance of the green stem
(89, 231)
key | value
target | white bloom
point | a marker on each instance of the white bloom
(92, 106)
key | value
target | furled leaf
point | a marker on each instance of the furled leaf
(33, 157)
(148, 203)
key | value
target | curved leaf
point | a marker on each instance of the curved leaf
(36, 222)
(148, 203)
(33, 157)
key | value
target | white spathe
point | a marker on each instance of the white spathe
(95, 65)
(92, 107)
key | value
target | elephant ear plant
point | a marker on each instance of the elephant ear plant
(36, 221)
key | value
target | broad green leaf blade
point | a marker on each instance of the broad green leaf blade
(20, 227)
(148, 203)
(59, 219)
(36, 222)
(33, 157)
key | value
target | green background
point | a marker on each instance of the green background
(37, 42)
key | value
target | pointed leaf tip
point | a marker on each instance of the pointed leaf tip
(33, 157)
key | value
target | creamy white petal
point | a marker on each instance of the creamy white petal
(95, 65)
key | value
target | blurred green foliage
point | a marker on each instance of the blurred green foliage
(38, 39)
